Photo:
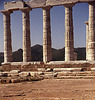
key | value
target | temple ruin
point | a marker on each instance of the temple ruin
(46, 5)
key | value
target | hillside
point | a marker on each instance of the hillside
(37, 54)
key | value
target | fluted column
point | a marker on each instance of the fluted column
(69, 40)
(47, 51)
(7, 37)
(87, 38)
(26, 35)
(91, 44)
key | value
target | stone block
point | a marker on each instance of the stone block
(13, 74)
(29, 78)
(41, 69)
(92, 69)
(23, 78)
(54, 2)
(37, 78)
(36, 3)
(16, 5)
(66, 69)
(15, 71)
(13, 5)
(36, 73)
(14, 80)
(24, 74)
(5, 74)
(4, 80)
(50, 75)
(49, 70)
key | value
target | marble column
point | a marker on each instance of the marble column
(69, 40)
(7, 37)
(47, 50)
(87, 38)
(26, 35)
(91, 42)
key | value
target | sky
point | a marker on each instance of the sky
(80, 15)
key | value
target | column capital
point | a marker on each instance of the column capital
(26, 9)
(86, 22)
(47, 8)
(6, 12)
(69, 5)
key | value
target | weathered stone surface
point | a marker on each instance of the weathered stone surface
(13, 5)
(52, 64)
(4, 80)
(36, 3)
(16, 5)
(7, 37)
(14, 80)
(91, 43)
(36, 73)
(61, 2)
(24, 74)
(53, 2)
(93, 69)
(69, 38)
(49, 75)
(37, 76)
(47, 52)
(66, 69)
(13, 74)
(49, 70)
(26, 35)
(23, 78)
(5, 74)
(79, 73)
(15, 71)
(41, 69)
(77, 77)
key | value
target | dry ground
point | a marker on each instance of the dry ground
(50, 89)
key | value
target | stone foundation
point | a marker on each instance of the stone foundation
(16, 76)
(34, 66)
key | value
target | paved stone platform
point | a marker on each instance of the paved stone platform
(62, 65)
